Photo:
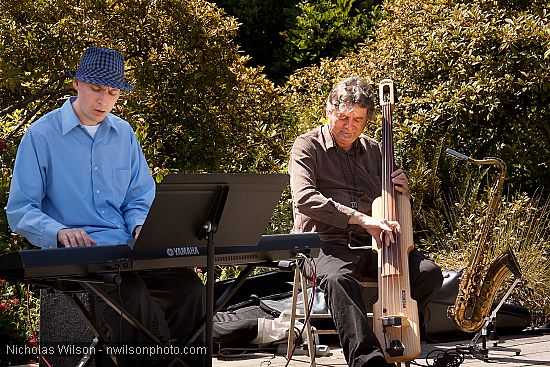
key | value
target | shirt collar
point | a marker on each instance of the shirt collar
(330, 143)
(69, 119)
(327, 137)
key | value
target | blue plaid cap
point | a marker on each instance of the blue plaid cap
(102, 66)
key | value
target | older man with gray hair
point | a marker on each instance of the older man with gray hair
(335, 175)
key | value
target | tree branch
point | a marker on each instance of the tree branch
(50, 94)
(34, 97)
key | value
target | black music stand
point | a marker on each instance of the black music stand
(191, 208)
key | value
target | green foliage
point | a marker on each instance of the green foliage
(261, 24)
(6, 164)
(484, 89)
(18, 302)
(14, 314)
(283, 35)
(326, 28)
(196, 106)
(471, 75)
(524, 226)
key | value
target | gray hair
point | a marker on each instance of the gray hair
(349, 92)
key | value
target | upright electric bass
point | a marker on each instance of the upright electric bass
(395, 313)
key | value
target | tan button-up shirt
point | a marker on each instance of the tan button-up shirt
(328, 183)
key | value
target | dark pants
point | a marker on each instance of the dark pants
(179, 293)
(338, 269)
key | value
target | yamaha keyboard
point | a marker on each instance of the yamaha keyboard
(84, 261)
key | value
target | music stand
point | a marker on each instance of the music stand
(190, 208)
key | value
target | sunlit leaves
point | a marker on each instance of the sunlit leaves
(196, 106)
(471, 75)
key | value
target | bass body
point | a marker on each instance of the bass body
(394, 296)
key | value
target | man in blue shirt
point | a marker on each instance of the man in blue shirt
(80, 179)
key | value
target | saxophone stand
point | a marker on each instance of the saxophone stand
(483, 352)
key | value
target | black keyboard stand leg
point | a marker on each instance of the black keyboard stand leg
(229, 292)
(232, 289)
(110, 302)
(221, 301)
(93, 288)
(100, 338)
(88, 357)
(210, 279)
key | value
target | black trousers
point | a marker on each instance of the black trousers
(179, 293)
(338, 269)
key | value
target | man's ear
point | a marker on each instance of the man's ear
(75, 83)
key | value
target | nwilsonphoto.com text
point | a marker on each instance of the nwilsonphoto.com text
(122, 349)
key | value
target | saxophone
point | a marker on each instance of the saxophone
(477, 291)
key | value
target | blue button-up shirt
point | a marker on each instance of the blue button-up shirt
(65, 179)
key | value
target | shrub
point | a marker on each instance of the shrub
(472, 76)
(197, 107)
(326, 28)
(283, 35)
(18, 320)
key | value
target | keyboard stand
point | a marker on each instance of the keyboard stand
(110, 302)
(101, 340)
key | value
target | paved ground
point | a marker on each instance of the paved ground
(535, 351)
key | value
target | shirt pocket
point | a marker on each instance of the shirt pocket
(121, 181)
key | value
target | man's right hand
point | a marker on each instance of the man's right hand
(74, 237)
(376, 227)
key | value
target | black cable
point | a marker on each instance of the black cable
(232, 352)
(267, 361)
(445, 358)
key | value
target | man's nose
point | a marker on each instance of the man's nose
(101, 98)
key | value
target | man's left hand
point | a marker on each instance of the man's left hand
(401, 182)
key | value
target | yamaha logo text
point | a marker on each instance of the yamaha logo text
(182, 251)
